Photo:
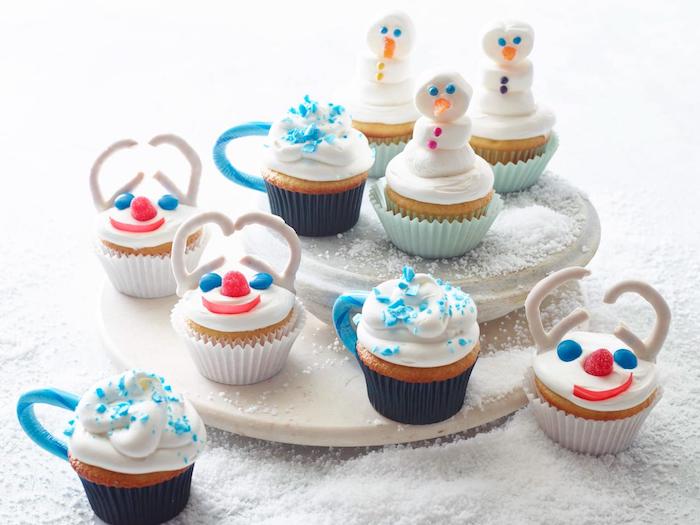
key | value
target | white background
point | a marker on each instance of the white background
(623, 80)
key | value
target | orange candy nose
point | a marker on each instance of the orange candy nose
(440, 106)
(389, 46)
(509, 52)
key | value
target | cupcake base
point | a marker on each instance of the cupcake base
(505, 151)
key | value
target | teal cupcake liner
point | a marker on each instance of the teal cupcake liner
(432, 239)
(383, 153)
(518, 176)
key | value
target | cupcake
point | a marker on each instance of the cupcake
(132, 441)
(382, 91)
(439, 195)
(510, 131)
(238, 328)
(417, 341)
(591, 392)
(315, 168)
(134, 233)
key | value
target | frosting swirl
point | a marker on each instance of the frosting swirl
(418, 321)
(134, 423)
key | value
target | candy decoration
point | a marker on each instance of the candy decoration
(123, 201)
(137, 228)
(142, 209)
(234, 285)
(568, 350)
(602, 395)
(625, 358)
(599, 363)
(230, 309)
(168, 202)
(209, 281)
(261, 281)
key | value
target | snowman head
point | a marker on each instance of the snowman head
(392, 36)
(443, 96)
(508, 42)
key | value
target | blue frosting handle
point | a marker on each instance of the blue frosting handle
(343, 308)
(249, 129)
(35, 430)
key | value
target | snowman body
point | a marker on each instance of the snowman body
(507, 89)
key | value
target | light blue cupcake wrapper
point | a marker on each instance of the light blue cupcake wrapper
(432, 239)
(383, 153)
(518, 176)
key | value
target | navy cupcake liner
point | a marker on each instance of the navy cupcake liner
(416, 403)
(316, 215)
(140, 506)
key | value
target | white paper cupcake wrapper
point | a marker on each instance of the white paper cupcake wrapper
(240, 365)
(145, 276)
(383, 153)
(518, 176)
(432, 239)
(585, 435)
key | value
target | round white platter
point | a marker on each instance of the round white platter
(550, 226)
(319, 398)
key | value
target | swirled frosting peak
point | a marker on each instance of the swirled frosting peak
(135, 423)
(315, 141)
(418, 321)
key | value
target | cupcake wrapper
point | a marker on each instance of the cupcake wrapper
(512, 175)
(316, 215)
(416, 403)
(144, 276)
(241, 364)
(383, 153)
(432, 239)
(585, 435)
(140, 506)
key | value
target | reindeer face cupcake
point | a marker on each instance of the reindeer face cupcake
(135, 232)
(592, 391)
(239, 329)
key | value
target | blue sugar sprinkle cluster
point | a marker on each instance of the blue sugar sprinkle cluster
(312, 136)
(388, 351)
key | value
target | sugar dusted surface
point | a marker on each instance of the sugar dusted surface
(64, 101)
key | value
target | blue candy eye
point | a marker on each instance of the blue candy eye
(517, 40)
(433, 91)
(397, 32)
(501, 41)
(568, 350)
(450, 89)
(261, 281)
(384, 30)
(625, 358)
(209, 281)
(123, 201)
(168, 202)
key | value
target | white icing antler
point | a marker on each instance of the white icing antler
(547, 340)
(195, 172)
(649, 348)
(100, 203)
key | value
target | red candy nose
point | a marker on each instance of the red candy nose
(142, 209)
(235, 285)
(599, 363)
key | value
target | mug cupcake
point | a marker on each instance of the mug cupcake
(239, 329)
(314, 167)
(589, 391)
(132, 440)
(134, 233)
(381, 97)
(510, 131)
(438, 198)
(416, 341)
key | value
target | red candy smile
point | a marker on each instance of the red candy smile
(218, 308)
(601, 395)
(137, 228)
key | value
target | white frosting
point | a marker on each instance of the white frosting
(382, 90)
(505, 107)
(438, 165)
(317, 142)
(420, 322)
(560, 376)
(165, 234)
(134, 423)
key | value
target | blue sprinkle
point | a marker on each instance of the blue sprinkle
(194, 437)
(462, 341)
(168, 388)
(144, 418)
(357, 318)
(261, 281)
(412, 291)
(168, 202)
(423, 306)
(100, 393)
(329, 138)
(408, 273)
(101, 408)
(69, 432)
(209, 281)
(302, 110)
(397, 303)
(133, 418)
(123, 201)
(403, 285)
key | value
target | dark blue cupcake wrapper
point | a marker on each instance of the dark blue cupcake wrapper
(316, 215)
(416, 403)
(140, 506)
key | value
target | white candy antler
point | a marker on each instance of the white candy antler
(649, 348)
(190, 154)
(100, 203)
(547, 340)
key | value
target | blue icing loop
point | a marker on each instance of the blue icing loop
(168, 202)
(209, 281)
(568, 350)
(123, 201)
(625, 358)
(261, 281)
